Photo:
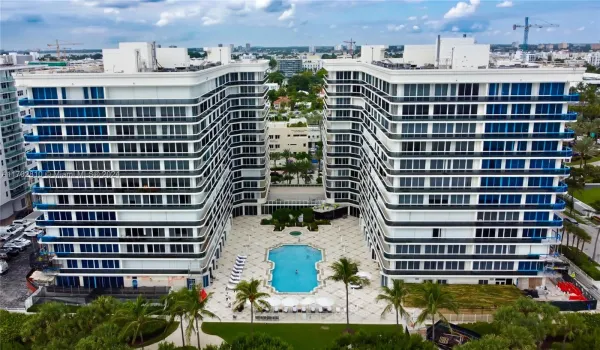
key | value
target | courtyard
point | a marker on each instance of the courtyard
(340, 239)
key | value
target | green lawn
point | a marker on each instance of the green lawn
(475, 296)
(588, 196)
(301, 336)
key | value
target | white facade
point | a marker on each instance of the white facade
(156, 164)
(14, 185)
(370, 53)
(312, 64)
(455, 53)
(454, 174)
(593, 58)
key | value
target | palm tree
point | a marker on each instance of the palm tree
(586, 148)
(134, 316)
(433, 298)
(394, 298)
(195, 309)
(345, 270)
(575, 183)
(174, 308)
(275, 156)
(287, 155)
(249, 291)
(302, 167)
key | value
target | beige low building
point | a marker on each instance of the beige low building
(282, 136)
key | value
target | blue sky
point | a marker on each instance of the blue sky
(31, 24)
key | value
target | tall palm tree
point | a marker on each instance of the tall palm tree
(586, 148)
(175, 308)
(250, 291)
(345, 270)
(433, 298)
(275, 156)
(394, 298)
(195, 309)
(134, 316)
(287, 155)
(570, 324)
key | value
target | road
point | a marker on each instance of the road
(592, 230)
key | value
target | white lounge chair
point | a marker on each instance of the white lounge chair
(313, 309)
(240, 262)
(276, 309)
(294, 309)
(238, 268)
(304, 309)
(244, 257)
(285, 309)
(234, 281)
(320, 309)
(338, 310)
(329, 309)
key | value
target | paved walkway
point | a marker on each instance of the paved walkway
(175, 337)
(342, 238)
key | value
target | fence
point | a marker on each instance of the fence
(581, 280)
(469, 318)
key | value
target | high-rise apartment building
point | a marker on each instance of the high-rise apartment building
(455, 171)
(14, 185)
(142, 166)
(290, 66)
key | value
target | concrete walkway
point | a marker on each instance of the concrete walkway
(175, 337)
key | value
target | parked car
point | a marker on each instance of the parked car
(18, 245)
(3, 267)
(11, 252)
(571, 221)
(19, 222)
(23, 241)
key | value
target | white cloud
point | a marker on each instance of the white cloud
(550, 29)
(295, 30)
(455, 29)
(289, 13)
(416, 28)
(262, 4)
(89, 30)
(424, 17)
(395, 28)
(496, 32)
(167, 17)
(209, 21)
(581, 29)
(463, 9)
(507, 33)
(111, 11)
(86, 3)
(477, 26)
(505, 3)
(291, 24)
(365, 27)
(333, 26)
(412, 18)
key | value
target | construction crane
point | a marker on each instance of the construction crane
(526, 33)
(58, 46)
(350, 43)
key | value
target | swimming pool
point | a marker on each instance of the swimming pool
(295, 270)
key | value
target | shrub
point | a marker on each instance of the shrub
(308, 214)
(282, 215)
(11, 324)
(323, 222)
(313, 226)
(265, 222)
(319, 180)
(582, 261)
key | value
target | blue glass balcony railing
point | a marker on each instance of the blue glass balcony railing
(37, 189)
(43, 206)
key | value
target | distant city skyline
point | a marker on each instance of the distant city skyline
(32, 24)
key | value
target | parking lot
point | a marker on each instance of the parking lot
(13, 290)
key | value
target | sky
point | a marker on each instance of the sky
(32, 24)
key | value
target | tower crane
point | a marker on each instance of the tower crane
(526, 32)
(350, 43)
(58, 45)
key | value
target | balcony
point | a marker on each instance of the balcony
(7, 100)
(4, 112)
(10, 122)
(16, 141)
(8, 89)
(7, 79)
(11, 132)
(15, 163)
(17, 183)
(14, 153)
(19, 191)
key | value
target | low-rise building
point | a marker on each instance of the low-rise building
(282, 100)
(287, 135)
(312, 64)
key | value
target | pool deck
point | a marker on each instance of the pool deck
(341, 239)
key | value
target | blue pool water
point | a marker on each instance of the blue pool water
(288, 259)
